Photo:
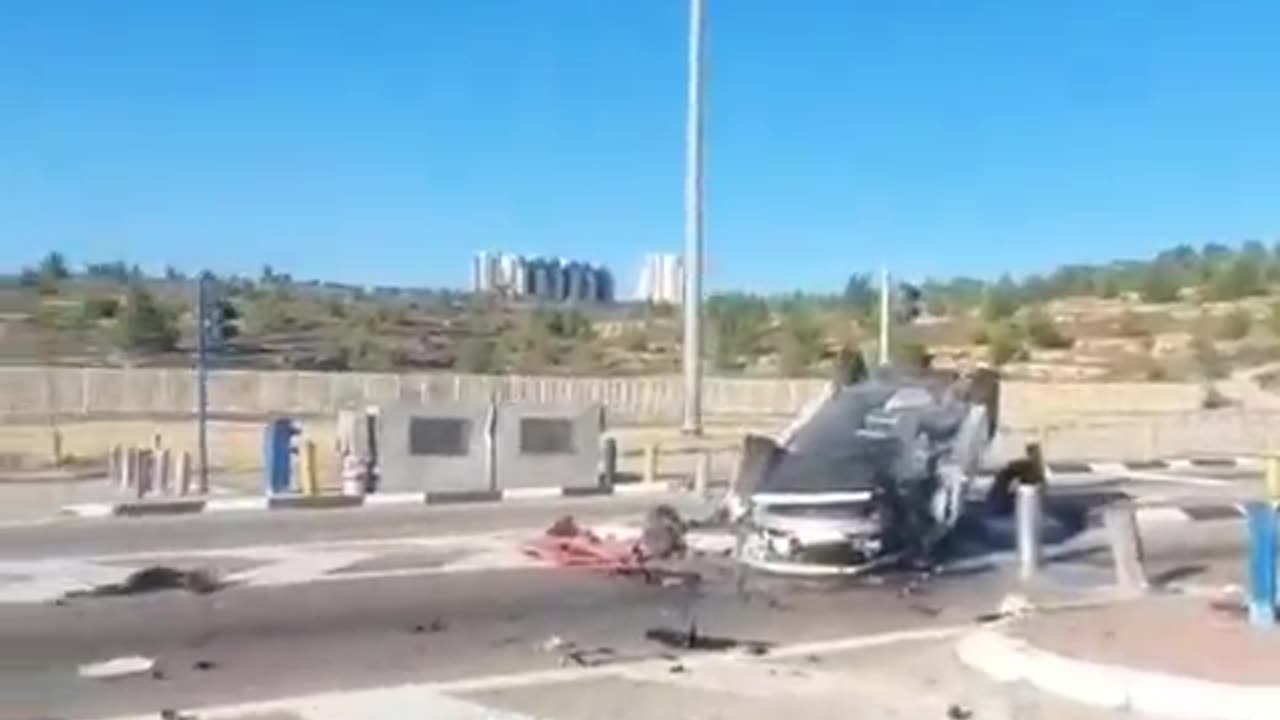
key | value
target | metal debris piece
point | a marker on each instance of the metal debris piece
(118, 667)
(663, 536)
(693, 640)
(153, 579)
(566, 526)
(435, 626)
(204, 665)
(1015, 605)
(958, 712)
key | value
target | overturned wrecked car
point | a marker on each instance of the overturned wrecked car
(873, 473)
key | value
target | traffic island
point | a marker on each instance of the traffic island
(1165, 655)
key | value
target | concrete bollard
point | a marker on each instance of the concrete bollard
(182, 473)
(1029, 524)
(115, 466)
(608, 462)
(702, 473)
(1126, 547)
(129, 470)
(145, 468)
(164, 471)
(307, 471)
(651, 463)
(1262, 563)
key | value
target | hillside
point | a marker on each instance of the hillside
(1184, 314)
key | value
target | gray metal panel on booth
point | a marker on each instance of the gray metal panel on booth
(541, 445)
(441, 447)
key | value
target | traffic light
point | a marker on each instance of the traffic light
(910, 303)
(217, 316)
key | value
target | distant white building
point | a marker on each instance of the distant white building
(540, 278)
(661, 279)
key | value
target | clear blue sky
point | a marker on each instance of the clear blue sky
(384, 142)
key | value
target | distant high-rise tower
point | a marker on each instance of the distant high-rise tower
(544, 279)
(661, 279)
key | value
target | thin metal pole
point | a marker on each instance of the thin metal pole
(884, 316)
(202, 394)
(1029, 518)
(693, 230)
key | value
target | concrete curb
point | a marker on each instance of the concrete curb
(1007, 659)
(185, 506)
(1084, 468)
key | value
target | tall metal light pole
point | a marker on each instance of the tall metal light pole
(693, 230)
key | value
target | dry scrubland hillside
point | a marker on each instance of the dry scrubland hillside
(1185, 314)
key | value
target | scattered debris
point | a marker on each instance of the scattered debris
(118, 667)
(566, 526)
(435, 626)
(663, 536)
(693, 640)
(677, 669)
(204, 665)
(1015, 605)
(175, 715)
(926, 610)
(153, 579)
(959, 712)
(555, 643)
(588, 657)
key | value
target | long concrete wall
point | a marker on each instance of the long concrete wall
(31, 393)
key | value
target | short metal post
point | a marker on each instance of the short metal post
(129, 470)
(115, 466)
(307, 471)
(608, 463)
(1273, 478)
(1029, 521)
(1262, 563)
(702, 473)
(145, 467)
(1126, 546)
(651, 463)
(183, 473)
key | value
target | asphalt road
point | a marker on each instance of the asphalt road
(96, 536)
(249, 643)
(269, 642)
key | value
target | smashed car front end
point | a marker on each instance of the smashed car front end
(877, 472)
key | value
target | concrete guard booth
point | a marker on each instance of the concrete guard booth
(548, 446)
(437, 448)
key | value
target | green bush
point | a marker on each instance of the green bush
(145, 325)
(1005, 344)
(1043, 333)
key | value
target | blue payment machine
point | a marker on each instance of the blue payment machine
(277, 452)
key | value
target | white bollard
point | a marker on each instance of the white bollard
(702, 473)
(115, 467)
(1029, 522)
(182, 471)
(164, 471)
(145, 470)
(129, 468)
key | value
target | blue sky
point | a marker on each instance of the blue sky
(384, 142)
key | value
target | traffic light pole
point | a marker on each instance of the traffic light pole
(202, 376)
(884, 316)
